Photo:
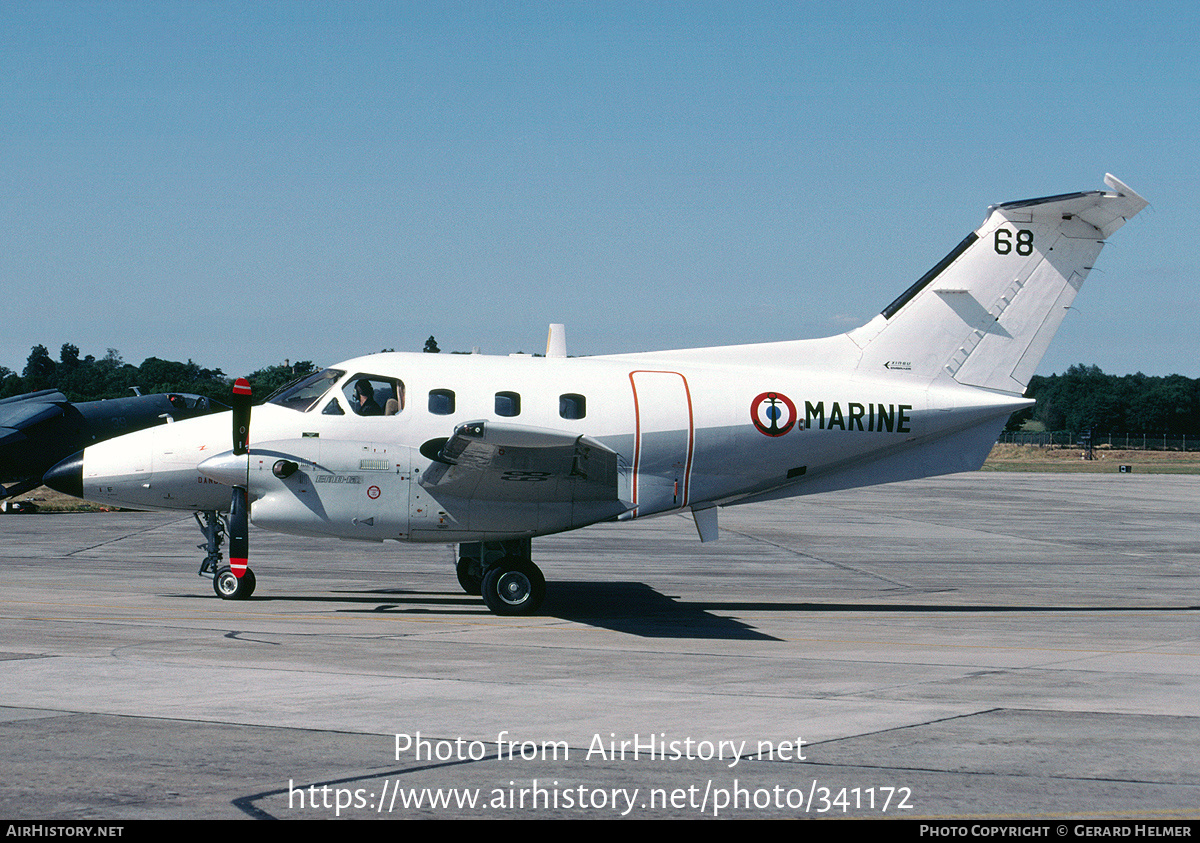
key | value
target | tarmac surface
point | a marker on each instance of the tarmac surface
(982, 645)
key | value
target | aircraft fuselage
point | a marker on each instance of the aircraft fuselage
(684, 435)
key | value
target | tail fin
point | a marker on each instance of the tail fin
(987, 312)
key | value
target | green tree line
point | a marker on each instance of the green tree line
(1084, 398)
(91, 379)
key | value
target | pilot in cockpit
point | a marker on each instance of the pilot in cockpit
(364, 398)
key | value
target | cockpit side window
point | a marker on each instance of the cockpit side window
(374, 395)
(303, 395)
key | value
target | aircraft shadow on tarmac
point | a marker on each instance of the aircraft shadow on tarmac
(635, 608)
(630, 607)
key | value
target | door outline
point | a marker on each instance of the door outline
(644, 413)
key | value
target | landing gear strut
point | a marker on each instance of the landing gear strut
(225, 584)
(214, 533)
(504, 573)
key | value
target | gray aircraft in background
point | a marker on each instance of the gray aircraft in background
(40, 428)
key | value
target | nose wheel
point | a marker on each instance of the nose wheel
(229, 587)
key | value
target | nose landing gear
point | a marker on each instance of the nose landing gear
(226, 585)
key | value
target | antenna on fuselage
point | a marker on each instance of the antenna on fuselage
(556, 341)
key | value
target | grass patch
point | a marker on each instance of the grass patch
(48, 500)
(1006, 457)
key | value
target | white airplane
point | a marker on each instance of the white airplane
(490, 452)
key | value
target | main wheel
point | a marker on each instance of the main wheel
(470, 575)
(514, 587)
(229, 587)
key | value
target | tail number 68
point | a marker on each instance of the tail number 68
(1023, 246)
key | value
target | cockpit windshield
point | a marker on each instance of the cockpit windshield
(302, 395)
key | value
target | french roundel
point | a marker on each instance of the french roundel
(773, 413)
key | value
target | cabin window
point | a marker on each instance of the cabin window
(572, 406)
(508, 404)
(441, 402)
(373, 395)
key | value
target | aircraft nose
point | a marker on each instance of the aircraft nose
(67, 476)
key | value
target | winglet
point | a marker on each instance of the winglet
(1123, 189)
(1133, 201)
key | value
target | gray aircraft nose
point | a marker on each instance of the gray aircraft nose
(67, 476)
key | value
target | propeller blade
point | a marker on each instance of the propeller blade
(239, 531)
(239, 507)
(241, 416)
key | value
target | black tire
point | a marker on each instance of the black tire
(470, 575)
(514, 587)
(228, 587)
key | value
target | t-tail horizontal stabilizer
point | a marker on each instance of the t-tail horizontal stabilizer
(986, 313)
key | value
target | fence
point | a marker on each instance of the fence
(1121, 441)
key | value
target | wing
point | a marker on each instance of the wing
(27, 411)
(45, 396)
(486, 460)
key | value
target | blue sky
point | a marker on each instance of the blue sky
(240, 183)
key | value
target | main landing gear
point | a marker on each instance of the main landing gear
(504, 574)
(226, 585)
